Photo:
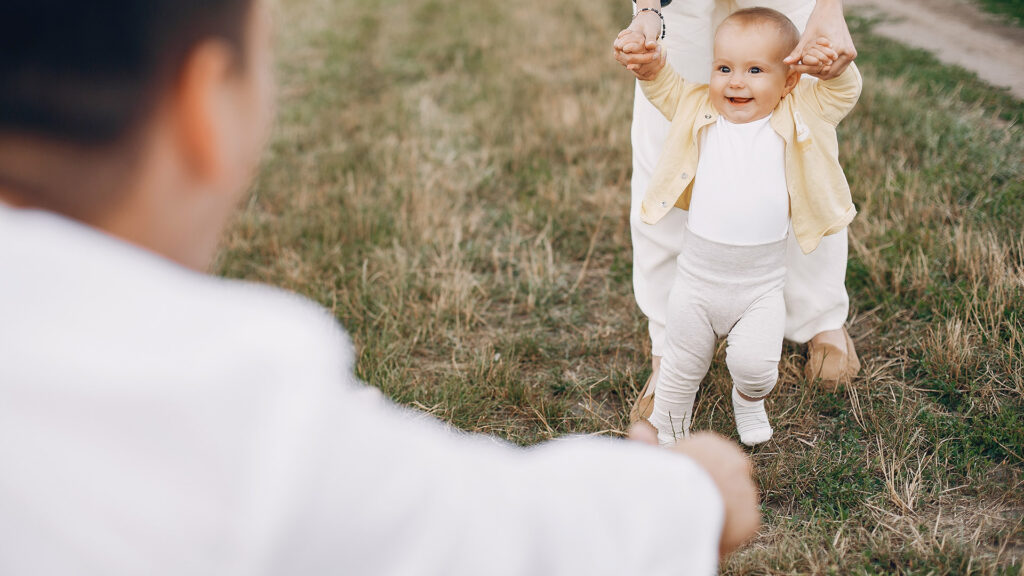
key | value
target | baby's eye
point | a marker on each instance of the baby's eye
(755, 70)
(724, 69)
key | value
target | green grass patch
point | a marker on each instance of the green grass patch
(1014, 9)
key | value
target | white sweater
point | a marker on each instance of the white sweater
(158, 421)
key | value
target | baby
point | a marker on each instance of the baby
(753, 156)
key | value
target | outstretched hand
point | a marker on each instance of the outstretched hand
(730, 469)
(826, 23)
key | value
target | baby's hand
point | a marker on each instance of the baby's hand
(631, 41)
(819, 56)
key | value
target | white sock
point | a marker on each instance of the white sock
(751, 419)
(671, 416)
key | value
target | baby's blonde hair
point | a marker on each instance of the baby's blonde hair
(789, 36)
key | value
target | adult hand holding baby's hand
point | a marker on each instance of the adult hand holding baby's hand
(730, 469)
(820, 57)
(637, 48)
(826, 21)
(631, 51)
(648, 24)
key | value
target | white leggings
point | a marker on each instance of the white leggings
(815, 292)
(720, 290)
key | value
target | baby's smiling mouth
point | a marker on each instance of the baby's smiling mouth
(736, 100)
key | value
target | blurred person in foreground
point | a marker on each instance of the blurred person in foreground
(158, 420)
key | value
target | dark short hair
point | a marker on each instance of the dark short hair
(86, 71)
(788, 32)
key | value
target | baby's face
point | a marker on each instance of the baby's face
(748, 76)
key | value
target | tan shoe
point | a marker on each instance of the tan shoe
(644, 404)
(832, 357)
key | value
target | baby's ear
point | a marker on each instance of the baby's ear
(792, 79)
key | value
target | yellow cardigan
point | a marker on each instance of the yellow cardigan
(819, 196)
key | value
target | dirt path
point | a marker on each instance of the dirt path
(957, 33)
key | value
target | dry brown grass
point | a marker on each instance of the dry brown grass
(451, 180)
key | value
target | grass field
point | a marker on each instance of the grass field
(451, 179)
(1012, 9)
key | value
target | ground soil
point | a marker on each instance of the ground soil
(957, 32)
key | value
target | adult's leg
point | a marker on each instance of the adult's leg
(816, 298)
(688, 45)
(655, 247)
(817, 306)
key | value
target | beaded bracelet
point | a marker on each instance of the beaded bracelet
(656, 11)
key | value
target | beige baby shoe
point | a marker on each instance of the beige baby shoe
(832, 358)
(644, 404)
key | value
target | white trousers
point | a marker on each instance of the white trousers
(815, 292)
(720, 290)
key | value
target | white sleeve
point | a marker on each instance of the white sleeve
(376, 489)
(175, 424)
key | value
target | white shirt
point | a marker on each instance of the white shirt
(158, 421)
(739, 192)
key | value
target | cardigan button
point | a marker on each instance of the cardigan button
(663, 203)
(684, 176)
(707, 116)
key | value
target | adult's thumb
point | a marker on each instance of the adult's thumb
(794, 56)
